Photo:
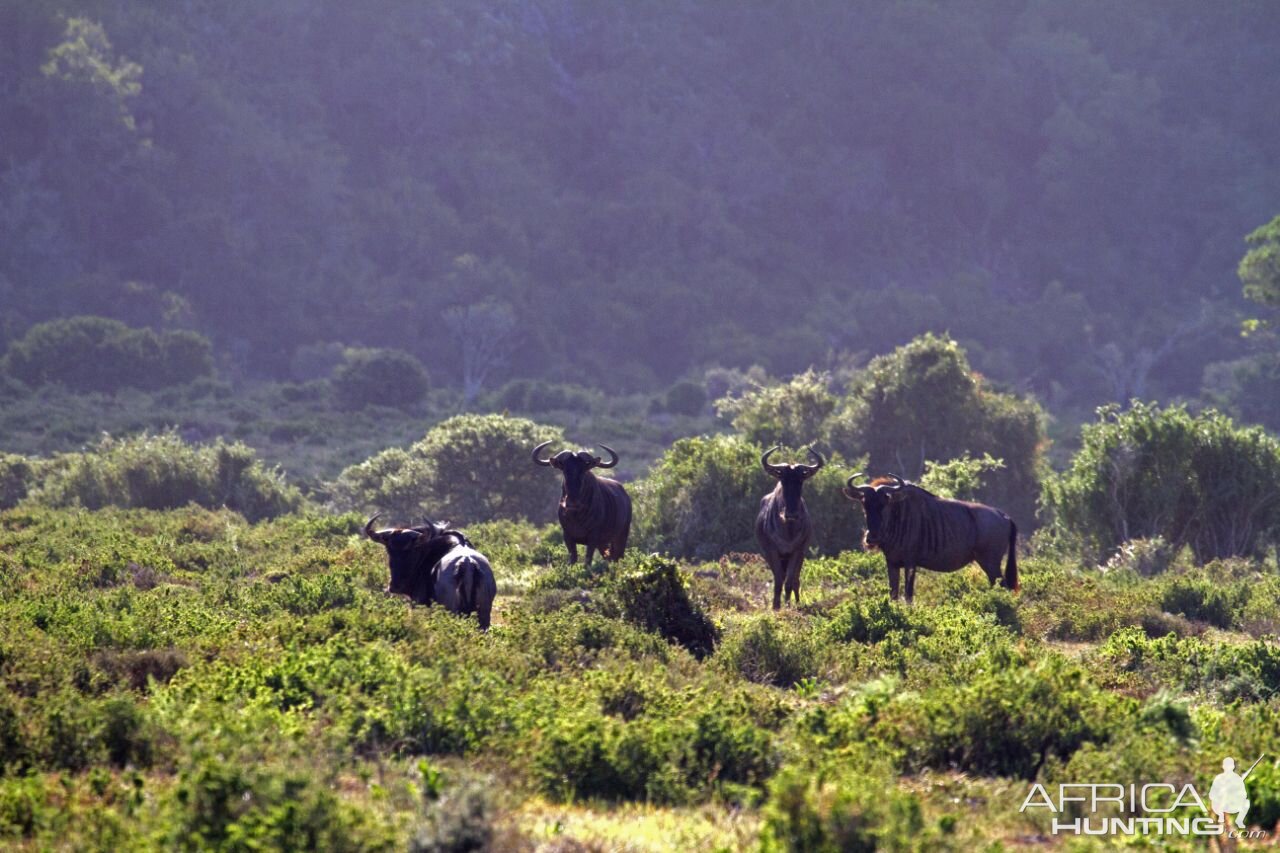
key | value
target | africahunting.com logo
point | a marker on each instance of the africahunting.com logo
(1151, 809)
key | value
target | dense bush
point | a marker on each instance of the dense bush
(16, 475)
(467, 469)
(1202, 599)
(793, 413)
(655, 596)
(161, 471)
(701, 499)
(842, 812)
(685, 398)
(764, 650)
(1009, 722)
(1195, 480)
(382, 377)
(923, 401)
(98, 354)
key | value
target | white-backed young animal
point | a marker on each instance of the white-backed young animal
(783, 527)
(915, 528)
(432, 563)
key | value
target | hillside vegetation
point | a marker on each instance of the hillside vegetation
(185, 680)
(178, 677)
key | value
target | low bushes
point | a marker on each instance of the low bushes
(469, 468)
(98, 354)
(161, 471)
(383, 377)
(1197, 480)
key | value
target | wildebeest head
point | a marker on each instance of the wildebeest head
(574, 467)
(792, 478)
(410, 551)
(875, 498)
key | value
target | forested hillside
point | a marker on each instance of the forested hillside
(622, 194)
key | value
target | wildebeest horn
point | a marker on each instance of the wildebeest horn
(546, 463)
(600, 464)
(764, 460)
(898, 483)
(379, 536)
(813, 469)
(857, 493)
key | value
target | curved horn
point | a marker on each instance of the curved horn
(813, 469)
(600, 464)
(764, 461)
(545, 463)
(857, 493)
(379, 536)
(898, 484)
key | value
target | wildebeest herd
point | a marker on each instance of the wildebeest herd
(914, 529)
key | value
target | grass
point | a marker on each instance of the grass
(187, 679)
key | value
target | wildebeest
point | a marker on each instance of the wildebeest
(915, 528)
(594, 511)
(782, 524)
(433, 563)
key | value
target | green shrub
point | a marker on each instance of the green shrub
(162, 471)
(225, 804)
(869, 621)
(1010, 721)
(467, 469)
(379, 377)
(676, 755)
(17, 474)
(701, 499)
(810, 812)
(764, 650)
(98, 354)
(1202, 599)
(922, 402)
(685, 398)
(1195, 480)
(655, 596)
(793, 413)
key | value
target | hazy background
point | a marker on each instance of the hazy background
(623, 195)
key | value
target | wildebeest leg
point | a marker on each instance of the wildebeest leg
(911, 583)
(775, 565)
(573, 549)
(591, 554)
(893, 582)
(992, 568)
(793, 577)
(618, 546)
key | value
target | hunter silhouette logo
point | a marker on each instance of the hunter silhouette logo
(1228, 794)
(1154, 808)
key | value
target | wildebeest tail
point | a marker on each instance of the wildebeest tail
(1011, 566)
(466, 580)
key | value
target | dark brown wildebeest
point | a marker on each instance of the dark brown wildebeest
(915, 528)
(432, 563)
(594, 511)
(782, 525)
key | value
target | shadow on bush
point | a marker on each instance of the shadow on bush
(655, 596)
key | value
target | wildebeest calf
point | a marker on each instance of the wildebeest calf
(915, 528)
(433, 563)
